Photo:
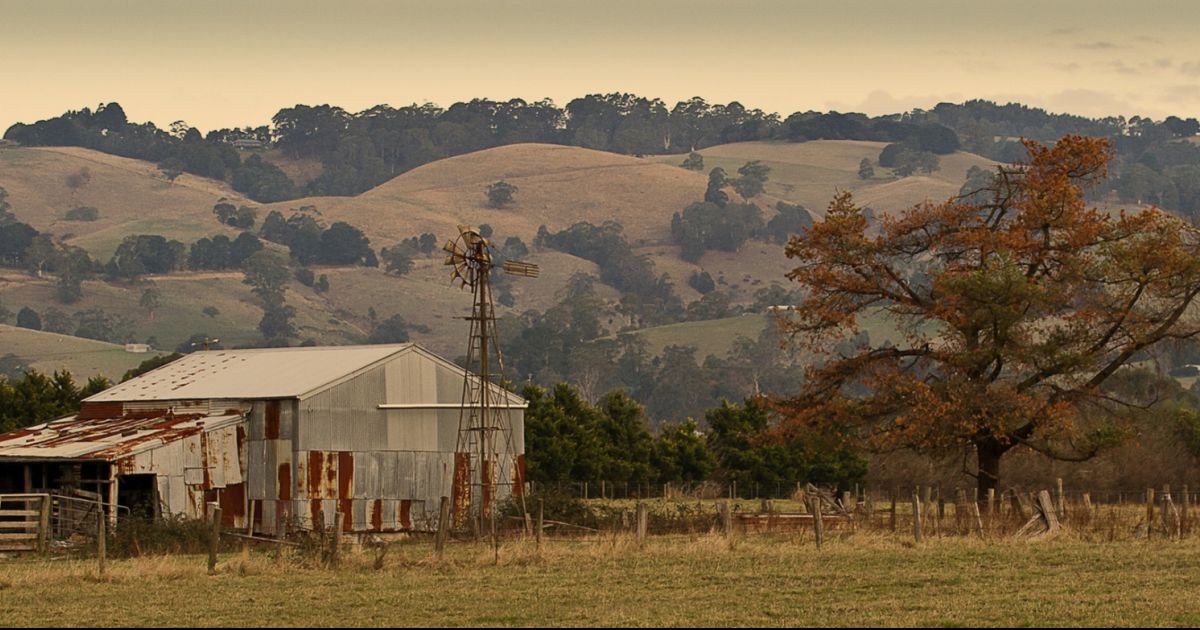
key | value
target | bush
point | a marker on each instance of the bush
(500, 194)
(82, 213)
(702, 282)
(142, 535)
(305, 276)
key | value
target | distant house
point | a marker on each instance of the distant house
(247, 143)
(290, 435)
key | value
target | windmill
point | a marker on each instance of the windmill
(485, 456)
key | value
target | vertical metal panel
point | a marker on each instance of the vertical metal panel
(389, 513)
(315, 425)
(359, 512)
(410, 379)
(300, 484)
(230, 455)
(164, 493)
(388, 478)
(447, 429)
(261, 468)
(449, 384)
(213, 458)
(517, 417)
(288, 415)
(269, 518)
(412, 429)
(178, 495)
(329, 506)
(192, 459)
(255, 421)
(168, 459)
(362, 476)
(421, 483)
(405, 475)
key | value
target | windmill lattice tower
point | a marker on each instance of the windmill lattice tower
(485, 455)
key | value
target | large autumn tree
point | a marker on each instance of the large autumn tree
(1018, 303)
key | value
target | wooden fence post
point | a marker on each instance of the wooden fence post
(725, 518)
(818, 524)
(44, 525)
(1061, 503)
(249, 531)
(540, 522)
(1185, 505)
(892, 516)
(643, 521)
(1149, 512)
(916, 502)
(214, 538)
(439, 540)
(101, 537)
(335, 540)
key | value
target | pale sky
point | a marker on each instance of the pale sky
(224, 63)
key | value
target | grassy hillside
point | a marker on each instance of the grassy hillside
(809, 173)
(131, 195)
(557, 186)
(84, 358)
(717, 336)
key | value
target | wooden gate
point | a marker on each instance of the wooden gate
(24, 522)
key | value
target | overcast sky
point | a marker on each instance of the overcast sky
(223, 63)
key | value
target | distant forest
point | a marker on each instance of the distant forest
(1155, 161)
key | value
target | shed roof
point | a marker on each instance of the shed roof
(105, 438)
(249, 374)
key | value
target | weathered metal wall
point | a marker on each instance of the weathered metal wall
(383, 469)
(205, 466)
(271, 428)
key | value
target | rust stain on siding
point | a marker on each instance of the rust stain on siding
(331, 477)
(405, 514)
(345, 473)
(271, 425)
(232, 500)
(284, 491)
(204, 463)
(316, 468)
(346, 509)
(377, 515)
(489, 484)
(460, 492)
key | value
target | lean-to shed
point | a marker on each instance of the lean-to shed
(288, 434)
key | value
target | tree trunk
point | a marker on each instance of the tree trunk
(988, 453)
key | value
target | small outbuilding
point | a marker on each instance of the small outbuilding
(290, 435)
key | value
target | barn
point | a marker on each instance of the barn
(288, 435)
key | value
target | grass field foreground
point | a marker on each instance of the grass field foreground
(702, 580)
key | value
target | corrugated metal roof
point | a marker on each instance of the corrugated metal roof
(247, 374)
(105, 438)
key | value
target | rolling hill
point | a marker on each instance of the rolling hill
(557, 186)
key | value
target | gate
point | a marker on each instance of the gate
(24, 522)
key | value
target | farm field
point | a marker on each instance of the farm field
(678, 581)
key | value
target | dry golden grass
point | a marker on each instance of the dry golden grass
(701, 580)
(131, 195)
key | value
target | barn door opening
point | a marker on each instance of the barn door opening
(139, 493)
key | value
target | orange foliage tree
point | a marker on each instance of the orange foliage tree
(1017, 303)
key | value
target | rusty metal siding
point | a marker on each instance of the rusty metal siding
(382, 469)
